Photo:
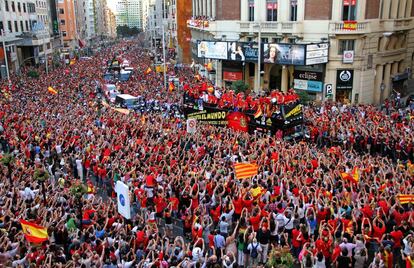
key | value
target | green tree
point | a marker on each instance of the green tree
(303, 96)
(239, 86)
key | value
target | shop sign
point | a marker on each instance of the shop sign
(348, 56)
(232, 76)
(307, 80)
(344, 79)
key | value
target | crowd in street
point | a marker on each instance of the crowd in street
(189, 209)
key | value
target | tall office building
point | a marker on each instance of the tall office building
(129, 12)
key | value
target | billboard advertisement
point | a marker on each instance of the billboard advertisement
(239, 51)
(317, 53)
(307, 80)
(284, 54)
(212, 50)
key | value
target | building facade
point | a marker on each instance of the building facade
(110, 23)
(67, 23)
(129, 13)
(371, 44)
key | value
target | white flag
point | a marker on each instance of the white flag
(124, 204)
(191, 125)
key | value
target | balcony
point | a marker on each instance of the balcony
(395, 25)
(202, 25)
(349, 27)
(276, 27)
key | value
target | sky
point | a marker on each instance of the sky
(112, 4)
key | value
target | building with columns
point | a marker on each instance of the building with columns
(371, 45)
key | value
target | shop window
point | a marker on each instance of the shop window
(271, 7)
(345, 45)
(349, 10)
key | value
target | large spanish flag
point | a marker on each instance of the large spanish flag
(52, 90)
(245, 170)
(34, 233)
(354, 176)
(406, 198)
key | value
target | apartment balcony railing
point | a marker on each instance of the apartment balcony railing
(293, 27)
(349, 27)
(392, 25)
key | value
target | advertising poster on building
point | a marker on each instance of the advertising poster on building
(284, 54)
(308, 80)
(210, 115)
(239, 51)
(317, 53)
(344, 79)
(212, 50)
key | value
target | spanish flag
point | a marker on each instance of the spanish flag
(148, 71)
(52, 90)
(34, 233)
(171, 87)
(245, 170)
(258, 113)
(354, 176)
(406, 198)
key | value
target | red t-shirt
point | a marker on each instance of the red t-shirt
(397, 236)
(295, 242)
(238, 206)
(255, 222)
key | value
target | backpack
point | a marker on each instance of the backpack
(253, 253)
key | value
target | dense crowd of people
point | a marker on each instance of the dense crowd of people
(189, 209)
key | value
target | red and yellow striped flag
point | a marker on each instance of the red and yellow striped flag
(52, 90)
(245, 170)
(406, 198)
(354, 176)
(34, 233)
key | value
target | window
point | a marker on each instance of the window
(21, 26)
(61, 11)
(24, 7)
(9, 24)
(18, 7)
(349, 10)
(41, 48)
(271, 6)
(345, 45)
(62, 22)
(13, 8)
(64, 33)
(48, 45)
(6, 3)
(16, 27)
(1, 27)
(251, 10)
(293, 10)
(27, 26)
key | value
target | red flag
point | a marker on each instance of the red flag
(81, 43)
(238, 121)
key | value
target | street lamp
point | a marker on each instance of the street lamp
(382, 88)
(163, 53)
(259, 60)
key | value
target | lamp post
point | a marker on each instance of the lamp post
(382, 88)
(163, 53)
(259, 60)
(3, 34)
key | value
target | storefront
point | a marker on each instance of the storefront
(232, 71)
(344, 85)
(309, 79)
